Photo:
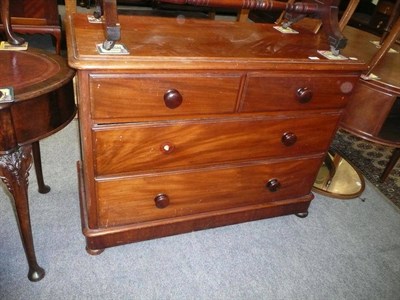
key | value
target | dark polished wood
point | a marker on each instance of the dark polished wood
(394, 15)
(42, 187)
(371, 16)
(196, 128)
(326, 10)
(38, 16)
(387, 70)
(43, 104)
(366, 115)
(6, 22)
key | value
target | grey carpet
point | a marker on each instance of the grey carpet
(344, 249)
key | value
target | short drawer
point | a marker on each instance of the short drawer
(135, 96)
(171, 195)
(162, 145)
(271, 92)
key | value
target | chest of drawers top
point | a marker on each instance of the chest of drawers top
(184, 44)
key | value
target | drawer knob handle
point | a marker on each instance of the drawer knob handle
(161, 200)
(172, 99)
(304, 95)
(273, 185)
(289, 138)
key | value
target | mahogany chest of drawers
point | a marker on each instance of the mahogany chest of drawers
(203, 124)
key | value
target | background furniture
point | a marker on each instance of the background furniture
(227, 125)
(370, 17)
(368, 113)
(168, 9)
(373, 113)
(38, 16)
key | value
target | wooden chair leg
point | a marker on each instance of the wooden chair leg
(42, 187)
(392, 162)
(57, 39)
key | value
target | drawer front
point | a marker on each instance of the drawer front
(159, 146)
(171, 195)
(266, 92)
(135, 96)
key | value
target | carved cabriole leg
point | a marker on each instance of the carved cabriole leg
(14, 172)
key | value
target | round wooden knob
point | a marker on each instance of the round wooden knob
(273, 185)
(161, 200)
(304, 94)
(172, 99)
(289, 138)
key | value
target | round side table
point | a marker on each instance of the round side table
(42, 104)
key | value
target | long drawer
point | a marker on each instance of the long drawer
(274, 92)
(173, 194)
(164, 145)
(133, 96)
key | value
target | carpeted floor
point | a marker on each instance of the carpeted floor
(371, 160)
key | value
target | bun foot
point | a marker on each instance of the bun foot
(44, 189)
(36, 274)
(94, 251)
(302, 215)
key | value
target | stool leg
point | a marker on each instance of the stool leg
(42, 187)
(57, 39)
(392, 162)
(14, 171)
